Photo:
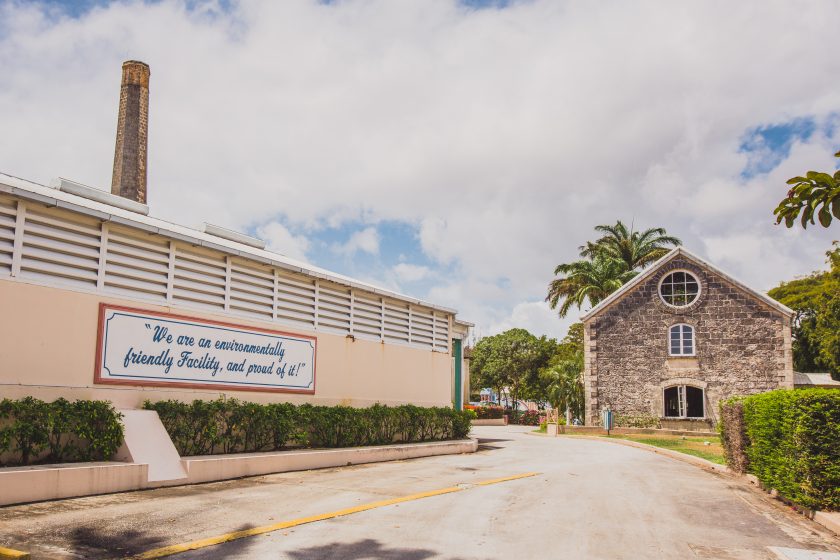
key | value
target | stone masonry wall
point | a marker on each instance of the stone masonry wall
(742, 346)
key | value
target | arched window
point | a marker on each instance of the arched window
(681, 340)
(684, 401)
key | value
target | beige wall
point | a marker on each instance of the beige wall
(48, 346)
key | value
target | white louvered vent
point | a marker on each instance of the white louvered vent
(8, 215)
(199, 278)
(136, 263)
(295, 300)
(367, 316)
(333, 307)
(251, 289)
(396, 321)
(441, 343)
(422, 327)
(60, 245)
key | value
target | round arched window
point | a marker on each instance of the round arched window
(679, 288)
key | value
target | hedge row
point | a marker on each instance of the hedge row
(233, 426)
(790, 440)
(36, 432)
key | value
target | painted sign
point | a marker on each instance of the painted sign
(137, 347)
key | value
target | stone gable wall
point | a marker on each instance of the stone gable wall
(742, 346)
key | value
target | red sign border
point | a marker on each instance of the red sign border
(219, 387)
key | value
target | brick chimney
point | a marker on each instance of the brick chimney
(129, 179)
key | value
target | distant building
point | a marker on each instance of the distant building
(679, 338)
(820, 380)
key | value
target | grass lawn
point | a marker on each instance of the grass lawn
(688, 445)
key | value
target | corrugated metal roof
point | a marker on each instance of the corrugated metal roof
(30, 190)
(814, 380)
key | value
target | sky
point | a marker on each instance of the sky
(455, 151)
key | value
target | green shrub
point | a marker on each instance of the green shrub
(232, 426)
(36, 432)
(524, 417)
(489, 412)
(792, 443)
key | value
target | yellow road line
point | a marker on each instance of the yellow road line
(506, 478)
(12, 553)
(227, 537)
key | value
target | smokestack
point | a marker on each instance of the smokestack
(129, 179)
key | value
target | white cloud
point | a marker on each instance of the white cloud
(406, 272)
(278, 238)
(505, 135)
(535, 316)
(366, 240)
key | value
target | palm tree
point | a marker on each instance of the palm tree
(636, 249)
(592, 280)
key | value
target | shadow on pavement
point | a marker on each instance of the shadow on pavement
(93, 542)
(367, 549)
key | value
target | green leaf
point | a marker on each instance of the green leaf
(835, 208)
(796, 180)
(823, 178)
(824, 216)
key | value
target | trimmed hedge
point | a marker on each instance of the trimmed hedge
(790, 440)
(733, 434)
(233, 426)
(36, 432)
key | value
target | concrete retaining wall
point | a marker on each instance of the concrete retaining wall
(490, 422)
(53, 482)
(597, 430)
(223, 467)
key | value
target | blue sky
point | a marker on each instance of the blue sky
(454, 150)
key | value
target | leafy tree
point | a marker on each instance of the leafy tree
(814, 195)
(816, 325)
(636, 249)
(564, 385)
(583, 280)
(609, 262)
(571, 344)
(512, 360)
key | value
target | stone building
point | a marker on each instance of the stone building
(678, 338)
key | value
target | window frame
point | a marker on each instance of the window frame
(684, 271)
(682, 402)
(682, 341)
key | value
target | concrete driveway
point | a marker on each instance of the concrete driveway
(591, 499)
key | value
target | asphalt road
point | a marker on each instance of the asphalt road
(591, 499)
